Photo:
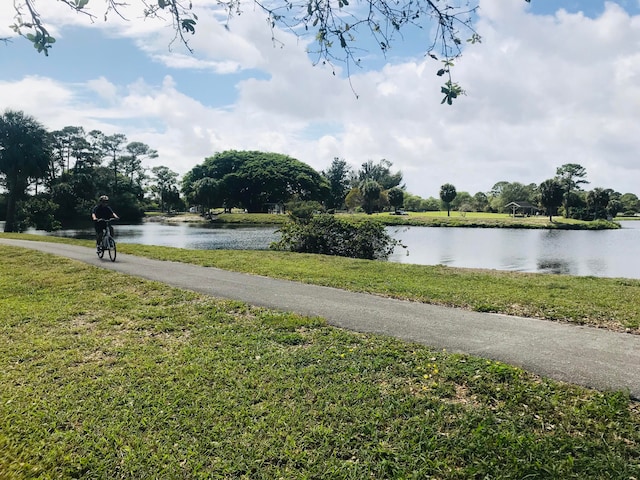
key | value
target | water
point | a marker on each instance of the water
(187, 235)
(605, 253)
(602, 253)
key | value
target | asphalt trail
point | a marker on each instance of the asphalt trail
(587, 356)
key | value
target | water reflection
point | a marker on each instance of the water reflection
(554, 266)
(187, 235)
(607, 253)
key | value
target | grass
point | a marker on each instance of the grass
(424, 219)
(109, 376)
(604, 302)
(601, 302)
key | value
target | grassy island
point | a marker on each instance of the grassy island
(423, 219)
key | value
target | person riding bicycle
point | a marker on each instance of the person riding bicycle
(99, 214)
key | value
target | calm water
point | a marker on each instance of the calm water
(608, 253)
(187, 235)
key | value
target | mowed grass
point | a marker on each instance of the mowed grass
(423, 219)
(610, 303)
(604, 302)
(109, 376)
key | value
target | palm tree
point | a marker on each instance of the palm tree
(24, 154)
(447, 195)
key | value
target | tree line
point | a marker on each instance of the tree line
(562, 194)
(54, 177)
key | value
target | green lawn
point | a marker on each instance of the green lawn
(604, 302)
(109, 376)
(429, 219)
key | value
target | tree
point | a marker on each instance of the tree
(253, 179)
(132, 164)
(614, 207)
(371, 194)
(113, 145)
(570, 176)
(447, 194)
(165, 181)
(207, 193)
(597, 201)
(335, 26)
(354, 199)
(630, 203)
(551, 196)
(504, 193)
(480, 202)
(396, 198)
(463, 202)
(65, 144)
(378, 172)
(24, 153)
(337, 176)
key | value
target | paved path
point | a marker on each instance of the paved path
(586, 356)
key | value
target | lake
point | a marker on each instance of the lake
(604, 253)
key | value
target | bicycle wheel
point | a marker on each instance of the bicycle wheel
(112, 249)
(100, 251)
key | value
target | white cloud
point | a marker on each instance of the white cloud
(541, 91)
(103, 88)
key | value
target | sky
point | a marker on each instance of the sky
(553, 82)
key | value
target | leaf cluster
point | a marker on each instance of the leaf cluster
(252, 180)
(337, 25)
(30, 24)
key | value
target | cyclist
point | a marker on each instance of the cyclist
(99, 214)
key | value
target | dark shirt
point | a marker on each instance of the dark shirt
(103, 211)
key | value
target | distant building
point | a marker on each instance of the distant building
(522, 208)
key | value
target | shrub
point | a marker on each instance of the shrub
(303, 211)
(327, 235)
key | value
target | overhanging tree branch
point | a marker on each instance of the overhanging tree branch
(336, 24)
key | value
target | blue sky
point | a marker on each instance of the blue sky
(553, 82)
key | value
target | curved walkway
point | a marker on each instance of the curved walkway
(586, 356)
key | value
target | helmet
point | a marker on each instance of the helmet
(104, 198)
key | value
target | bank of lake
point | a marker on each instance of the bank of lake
(417, 219)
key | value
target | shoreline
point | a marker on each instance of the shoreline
(416, 220)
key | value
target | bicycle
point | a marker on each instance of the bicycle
(108, 243)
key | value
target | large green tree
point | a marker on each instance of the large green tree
(337, 176)
(597, 202)
(371, 191)
(113, 145)
(254, 180)
(131, 163)
(379, 172)
(396, 198)
(25, 153)
(480, 202)
(503, 193)
(630, 203)
(551, 195)
(165, 182)
(570, 176)
(463, 202)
